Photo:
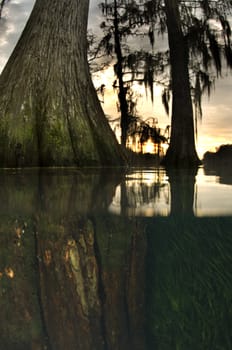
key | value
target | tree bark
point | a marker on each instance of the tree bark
(182, 150)
(49, 110)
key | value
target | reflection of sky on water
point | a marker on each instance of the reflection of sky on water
(147, 193)
(137, 208)
(213, 199)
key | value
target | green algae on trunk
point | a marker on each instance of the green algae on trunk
(49, 111)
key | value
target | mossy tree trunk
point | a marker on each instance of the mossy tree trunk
(49, 111)
(182, 150)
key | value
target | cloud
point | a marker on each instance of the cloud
(15, 15)
(14, 18)
(95, 17)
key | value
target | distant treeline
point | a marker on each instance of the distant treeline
(223, 156)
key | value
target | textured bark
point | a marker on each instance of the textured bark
(49, 110)
(69, 288)
(182, 151)
(49, 274)
(122, 249)
(20, 318)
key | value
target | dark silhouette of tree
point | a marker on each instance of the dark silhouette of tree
(201, 41)
(49, 111)
(143, 131)
(182, 151)
(123, 21)
(119, 73)
(199, 37)
(116, 27)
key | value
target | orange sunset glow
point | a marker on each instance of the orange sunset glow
(212, 131)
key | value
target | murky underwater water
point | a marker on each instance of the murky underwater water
(105, 259)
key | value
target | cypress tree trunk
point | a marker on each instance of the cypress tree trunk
(182, 151)
(49, 111)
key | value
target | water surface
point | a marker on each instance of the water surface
(111, 259)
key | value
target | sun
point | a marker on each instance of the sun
(148, 147)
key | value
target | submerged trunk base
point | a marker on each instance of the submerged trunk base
(49, 111)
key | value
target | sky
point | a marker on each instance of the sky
(216, 126)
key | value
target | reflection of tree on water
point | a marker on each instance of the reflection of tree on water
(74, 276)
(20, 321)
(69, 280)
(88, 273)
(44, 231)
(182, 188)
(224, 173)
(142, 193)
(219, 163)
(122, 248)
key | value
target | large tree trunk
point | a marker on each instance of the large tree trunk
(182, 151)
(50, 114)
